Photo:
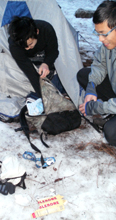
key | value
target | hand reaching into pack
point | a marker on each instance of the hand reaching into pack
(43, 70)
(88, 98)
(90, 95)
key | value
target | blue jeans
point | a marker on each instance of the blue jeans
(57, 83)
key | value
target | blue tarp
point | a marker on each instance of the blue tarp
(15, 8)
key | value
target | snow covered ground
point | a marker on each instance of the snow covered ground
(82, 174)
(88, 42)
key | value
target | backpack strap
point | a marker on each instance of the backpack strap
(22, 182)
(8, 187)
(41, 138)
(95, 126)
(25, 128)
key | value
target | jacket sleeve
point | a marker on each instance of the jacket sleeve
(26, 66)
(98, 67)
(100, 107)
(91, 90)
(51, 49)
(110, 106)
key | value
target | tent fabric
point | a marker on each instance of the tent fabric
(13, 81)
(15, 8)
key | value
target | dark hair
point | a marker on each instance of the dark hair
(106, 11)
(21, 29)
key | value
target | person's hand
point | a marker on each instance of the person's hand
(82, 109)
(88, 98)
(43, 70)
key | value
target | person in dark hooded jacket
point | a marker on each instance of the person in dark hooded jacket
(33, 43)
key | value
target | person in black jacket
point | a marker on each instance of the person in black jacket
(33, 42)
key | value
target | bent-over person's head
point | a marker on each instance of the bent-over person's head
(21, 29)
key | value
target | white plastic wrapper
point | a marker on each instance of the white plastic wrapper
(23, 200)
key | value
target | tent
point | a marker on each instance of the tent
(14, 85)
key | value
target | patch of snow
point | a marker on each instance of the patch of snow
(82, 174)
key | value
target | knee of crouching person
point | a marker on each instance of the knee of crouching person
(79, 76)
(110, 134)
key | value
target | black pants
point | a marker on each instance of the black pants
(104, 92)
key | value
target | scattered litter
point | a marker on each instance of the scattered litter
(30, 156)
(53, 192)
(23, 200)
(13, 174)
(49, 205)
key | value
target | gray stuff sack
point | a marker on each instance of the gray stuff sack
(53, 101)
